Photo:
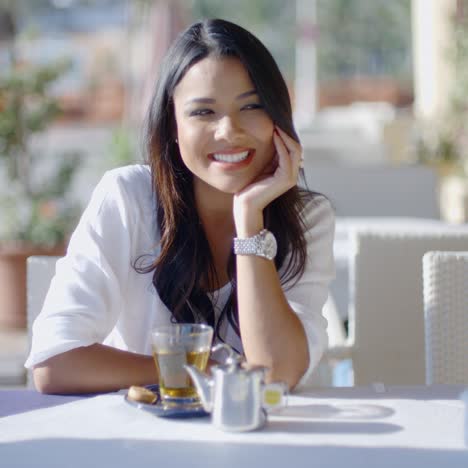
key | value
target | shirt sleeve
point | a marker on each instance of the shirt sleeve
(308, 296)
(85, 296)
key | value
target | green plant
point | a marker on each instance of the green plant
(122, 148)
(364, 38)
(436, 147)
(457, 115)
(445, 142)
(33, 209)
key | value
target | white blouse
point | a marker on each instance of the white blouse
(96, 296)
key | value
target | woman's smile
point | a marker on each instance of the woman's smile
(232, 159)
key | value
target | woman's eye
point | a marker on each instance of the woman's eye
(201, 112)
(252, 106)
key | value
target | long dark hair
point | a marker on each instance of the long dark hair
(185, 261)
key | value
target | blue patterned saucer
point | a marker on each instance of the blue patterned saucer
(184, 409)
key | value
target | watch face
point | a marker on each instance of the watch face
(269, 245)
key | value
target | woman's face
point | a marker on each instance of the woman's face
(225, 136)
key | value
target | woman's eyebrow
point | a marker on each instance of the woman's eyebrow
(247, 94)
(200, 100)
(207, 100)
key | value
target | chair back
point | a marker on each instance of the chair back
(40, 271)
(445, 279)
(375, 190)
(386, 320)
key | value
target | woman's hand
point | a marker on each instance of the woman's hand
(277, 178)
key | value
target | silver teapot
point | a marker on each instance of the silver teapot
(237, 398)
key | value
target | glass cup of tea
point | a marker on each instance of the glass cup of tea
(173, 347)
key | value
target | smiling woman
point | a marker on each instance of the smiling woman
(216, 223)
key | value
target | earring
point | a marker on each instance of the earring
(176, 141)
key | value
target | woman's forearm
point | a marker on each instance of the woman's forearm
(272, 334)
(95, 368)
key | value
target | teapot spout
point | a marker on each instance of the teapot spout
(203, 383)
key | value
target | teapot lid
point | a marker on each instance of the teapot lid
(233, 361)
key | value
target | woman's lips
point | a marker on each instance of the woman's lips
(232, 159)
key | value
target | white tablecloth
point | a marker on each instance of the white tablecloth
(347, 427)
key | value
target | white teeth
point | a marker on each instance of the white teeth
(230, 158)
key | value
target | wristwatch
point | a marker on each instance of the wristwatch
(263, 245)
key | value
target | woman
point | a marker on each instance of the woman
(155, 244)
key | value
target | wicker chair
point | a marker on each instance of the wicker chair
(386, 320)
(445, 278)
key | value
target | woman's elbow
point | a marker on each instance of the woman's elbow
(296, 375)
(49, 377)
(290, 374)
(43, 379)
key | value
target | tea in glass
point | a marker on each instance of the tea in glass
(175, 346)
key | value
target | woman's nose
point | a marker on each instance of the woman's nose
(227, 128)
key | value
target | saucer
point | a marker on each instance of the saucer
(185, 409)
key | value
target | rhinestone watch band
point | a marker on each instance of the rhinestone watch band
(247, 246)
(262, 245)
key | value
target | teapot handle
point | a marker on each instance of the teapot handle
(274, 395)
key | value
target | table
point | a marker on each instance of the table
(335, 427)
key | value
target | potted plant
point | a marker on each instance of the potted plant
(36, 211)
(442, 144)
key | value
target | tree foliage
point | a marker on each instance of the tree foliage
(272, 21)
(37, 213)
(364, 37)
